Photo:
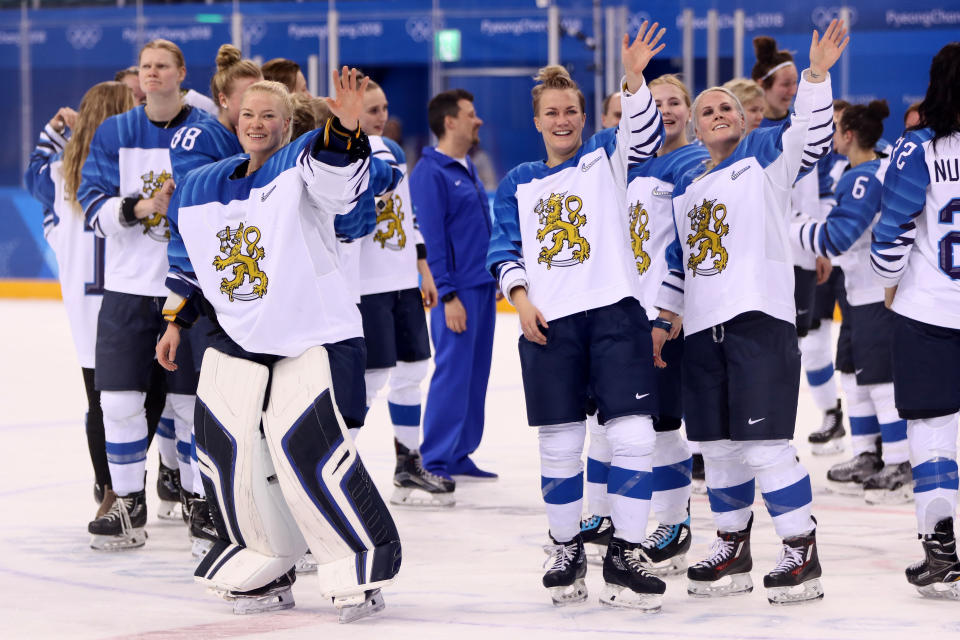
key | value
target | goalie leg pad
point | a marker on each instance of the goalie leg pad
(260, 539)
(339, 510)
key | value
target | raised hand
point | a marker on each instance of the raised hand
(637, 55)
(347, 104)
(825, 51)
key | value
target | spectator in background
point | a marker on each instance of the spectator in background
(611, 111)
(451, 206)
(131, 77)
(286, 72)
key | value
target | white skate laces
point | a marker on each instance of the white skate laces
(790, 558)
(661, 534)
(561, 555)
(719, 551)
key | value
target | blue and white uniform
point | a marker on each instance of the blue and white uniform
(563, 233)
(915, 249)
(864, 349)
(731, 278)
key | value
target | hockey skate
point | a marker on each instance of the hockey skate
(415, 486)
(109, 497)
(168, 490)
(847, 477)
(698, 477)
(200, 526)
(664, 552)
(938, 574)
(566, 568)
(726, 571)
(274, 596)
(121, 527)
(891, 485)
(596, 532)
(359, 606)
(306, 564)
(828, 439)
(628, 584)
(796, 578)
(99, 491)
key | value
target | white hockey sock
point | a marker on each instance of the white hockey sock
(125, 428)
(784, 483)
(374, 379)
(864, 426)
(630, 483)
(817, 358)
(730, 484)
(408, 436)
(167, 436)
(933, 456)
(598, 468)
(183, 406)
(561, 477)
(893, 430)
(672, 465)
(403, 400)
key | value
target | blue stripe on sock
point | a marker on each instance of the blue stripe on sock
(127, 452)
(864, 426)
(893, 432)
(820, 376)
(724, 499)
(673, 476)
(165, 428)
(597, 471)
(799, 494)
(404, 415)
(938, 473)
(630, 483)
(183, 451)
(562, 490)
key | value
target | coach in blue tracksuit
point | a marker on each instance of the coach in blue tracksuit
(452, 210)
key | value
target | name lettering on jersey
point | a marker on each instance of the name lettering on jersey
(736, 174)
(390, 211)
(550, 212)
(586, 167)
(661, 193)
(246, 267)
(705, 241)
(155, 226)
(946, 170)
(638, 235)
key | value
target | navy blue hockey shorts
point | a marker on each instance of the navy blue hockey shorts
(741, 380)
(128, 328)
(865, 347)
(926, 369)
(670, 386)
(804, 294)
(826, 296)
(604, 355)
(395, 328)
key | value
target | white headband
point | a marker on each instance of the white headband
(775, 69)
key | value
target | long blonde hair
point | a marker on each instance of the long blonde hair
(99, 103)
(231, 66)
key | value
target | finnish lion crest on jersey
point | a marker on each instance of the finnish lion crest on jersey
(705, 241)
(562, 232)
(390, 211)
(638, 235)
(242, 253)
(155, 225)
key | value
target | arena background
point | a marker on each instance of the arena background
(51, 52)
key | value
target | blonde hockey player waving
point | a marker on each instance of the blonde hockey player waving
(731, 278)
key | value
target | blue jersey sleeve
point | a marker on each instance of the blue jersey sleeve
(100, 177)
(194, 146)
(858, 200)
(505, 254)
(904, 198)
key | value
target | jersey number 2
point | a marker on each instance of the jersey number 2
(951, 241)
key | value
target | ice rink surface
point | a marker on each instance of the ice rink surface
(470, 572)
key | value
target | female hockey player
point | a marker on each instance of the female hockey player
(914, 252)
(124, 192)
(731, 279)
(52, 178)
(560, 250)
(254, 235)
(395, 285)
(866, 336)
(750, 95)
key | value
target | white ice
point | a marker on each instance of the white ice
(471, 572)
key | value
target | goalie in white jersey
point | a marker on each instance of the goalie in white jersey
(914, 251)
(731, 280)
(560, 250)
(254, 234)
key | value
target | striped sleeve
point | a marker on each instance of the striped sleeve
(505, 254)
(904, 198)
(37, 176)
(858, 200)
(670, 296)
(640, 132)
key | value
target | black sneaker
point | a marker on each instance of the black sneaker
(628, 583)
(828, 439)
(938, 574)
(796, 578)
(121, 527)
(729, 556)
(566, 568)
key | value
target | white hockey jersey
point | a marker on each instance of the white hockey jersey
(733, 254)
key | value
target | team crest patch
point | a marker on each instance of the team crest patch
(390, 211)
(705, 241)
(246, 267)
(638, 235)
(564, 232)
(156, 225)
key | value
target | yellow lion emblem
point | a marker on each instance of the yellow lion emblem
(708, 239)
(638, 235)
(390, 210)
(550, 212)
(156, 225)
(244, 266)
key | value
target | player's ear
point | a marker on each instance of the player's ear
(536, 123)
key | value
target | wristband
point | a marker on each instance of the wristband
(660, 323)
(449, 297)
